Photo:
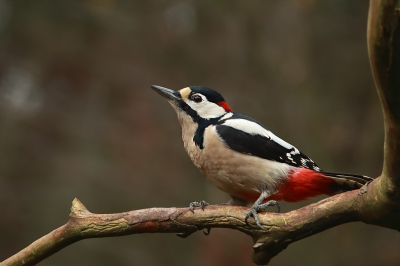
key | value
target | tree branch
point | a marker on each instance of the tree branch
(383, 37)
(283, 229)
(376, 203)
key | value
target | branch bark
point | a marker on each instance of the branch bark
(383, 39)
(283, 229)
(376, 203)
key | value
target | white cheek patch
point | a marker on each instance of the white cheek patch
(253, 128)
(206, 109)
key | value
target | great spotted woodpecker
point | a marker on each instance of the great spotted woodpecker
(244, 159)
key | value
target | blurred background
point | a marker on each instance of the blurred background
(78, 117)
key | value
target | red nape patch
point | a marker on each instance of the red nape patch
(305, 183)
(224, 105)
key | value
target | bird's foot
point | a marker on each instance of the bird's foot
(207, 232)
(200, 204)
(260, 208)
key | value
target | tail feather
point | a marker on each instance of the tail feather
(348, 181)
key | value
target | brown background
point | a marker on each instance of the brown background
(78, 117)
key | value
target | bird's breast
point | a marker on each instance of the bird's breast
(240, 175)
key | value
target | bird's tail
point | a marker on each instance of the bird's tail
(348, 181)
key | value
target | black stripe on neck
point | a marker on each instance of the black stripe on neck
(202, 125)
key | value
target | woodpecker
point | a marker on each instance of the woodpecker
(246, 160)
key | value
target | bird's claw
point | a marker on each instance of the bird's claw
(200, 204)
(260, 207)
(279, 207)
(207, 232)
(253, 213)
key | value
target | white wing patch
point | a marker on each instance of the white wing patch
(228, 115)
(248, 127)
(284, 143)
(289, 156)
(253, 128)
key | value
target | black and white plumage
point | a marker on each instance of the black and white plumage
(243, 158)
(245, 135)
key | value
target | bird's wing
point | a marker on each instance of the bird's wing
(247, 136)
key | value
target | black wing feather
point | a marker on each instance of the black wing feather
(267, 148)
(263, 147)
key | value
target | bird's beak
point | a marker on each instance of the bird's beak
(167, 93)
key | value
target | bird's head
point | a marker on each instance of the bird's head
(196, 102)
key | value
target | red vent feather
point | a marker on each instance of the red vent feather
(305, 183)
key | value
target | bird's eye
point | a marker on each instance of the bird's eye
(197, 98)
